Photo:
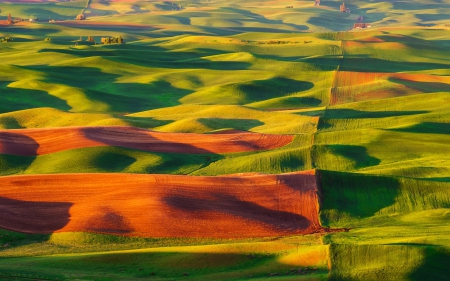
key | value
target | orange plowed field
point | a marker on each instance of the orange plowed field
(29, 142)
(350, 86)
(161, 205)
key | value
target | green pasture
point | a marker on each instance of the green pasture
(161, 73)
(55, 10)
(91, 258)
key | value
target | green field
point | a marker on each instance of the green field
(368, 108)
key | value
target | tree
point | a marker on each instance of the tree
(10, 21)
(112, 40)
(80, 17)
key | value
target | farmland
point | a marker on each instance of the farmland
(224, 140)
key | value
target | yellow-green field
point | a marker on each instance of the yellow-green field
(366, 113)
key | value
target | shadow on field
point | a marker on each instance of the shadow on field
(435, 265)
(138, 139)
(225, 123)
(44, 11)
(253, 17)
(294, 103)
(410, 41)
(356, 154)
(180, 63)
(143, 122)
(260, 90)
(33, 217)
(17, 144)
(147, 52)
(231, 205)
(418, 5)
(426, 87)
(156, 57)
(426, 128)
(443, 179)
(360, 63)
(349, 196)
(17, 152)
(100, 86)
(358, 114)
(157, 265)
(14, 99)
(9, 122)
(414, 262)
(107, 220)
(335, 25)
(15, 30)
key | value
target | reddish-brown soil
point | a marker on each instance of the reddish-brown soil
(352, 86)
(161, 205)
(30, 142)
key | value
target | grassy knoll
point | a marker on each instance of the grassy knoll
(56, 11)
(386, 138)
(399, 227)
(353, 204)
(164, 259)
(389, 262)
(174, 71)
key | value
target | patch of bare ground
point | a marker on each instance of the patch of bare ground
(30, 142)
(162, 205)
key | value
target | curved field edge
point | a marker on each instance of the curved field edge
(109, 159)
(110, 258)
(32, 142)
(242, 205)
(397, 228)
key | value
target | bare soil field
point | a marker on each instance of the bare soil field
(379, 85)
(31, 142)
(162, 205)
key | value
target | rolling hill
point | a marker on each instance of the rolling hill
(224, 140)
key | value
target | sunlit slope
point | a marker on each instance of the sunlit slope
(399, 227)
(303, 257)
(388, 112)
(406, 136)
(232, 16)
(386, 64)
(389, 262)
(43, 10)
(151, 74)
(384, 143)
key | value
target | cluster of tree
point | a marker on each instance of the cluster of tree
(112, 40)
(281, 42)
(6, 39)
(80, 17)
(10, 21)
(344, 9)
